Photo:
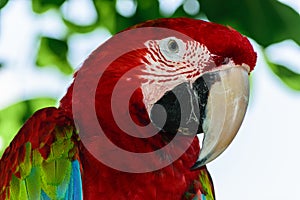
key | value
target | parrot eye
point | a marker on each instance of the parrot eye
(173, 46)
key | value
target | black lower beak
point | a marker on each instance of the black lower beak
(182, 109)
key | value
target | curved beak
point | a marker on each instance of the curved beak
(224, 112)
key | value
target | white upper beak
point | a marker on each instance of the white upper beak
(225, 110)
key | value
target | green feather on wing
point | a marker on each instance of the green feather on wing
(42, 167)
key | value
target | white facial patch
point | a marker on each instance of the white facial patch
(170, 62)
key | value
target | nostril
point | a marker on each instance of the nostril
(225, 61)
(220, 60)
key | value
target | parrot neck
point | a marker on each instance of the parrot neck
(101, 181)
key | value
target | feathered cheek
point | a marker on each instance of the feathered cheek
(137, 109)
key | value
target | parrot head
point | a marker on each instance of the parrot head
(167, 76)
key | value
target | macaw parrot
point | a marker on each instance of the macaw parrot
(151, 89)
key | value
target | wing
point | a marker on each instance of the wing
(42, 160)
(202, 188)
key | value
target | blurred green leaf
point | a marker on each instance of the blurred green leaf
(180, 12)
(145, 10)
(286, 75)
(80, 28)
(3, 3)
(14, 116)
(267, 21)
(53, 52)
(73, 26)
(289, 77)
(41, 6)
(107, 14)
(124, 22)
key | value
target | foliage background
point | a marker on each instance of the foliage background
(65, 32)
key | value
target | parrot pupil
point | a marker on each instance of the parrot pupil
(173, 46)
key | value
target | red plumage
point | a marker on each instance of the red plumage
(99, 180)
